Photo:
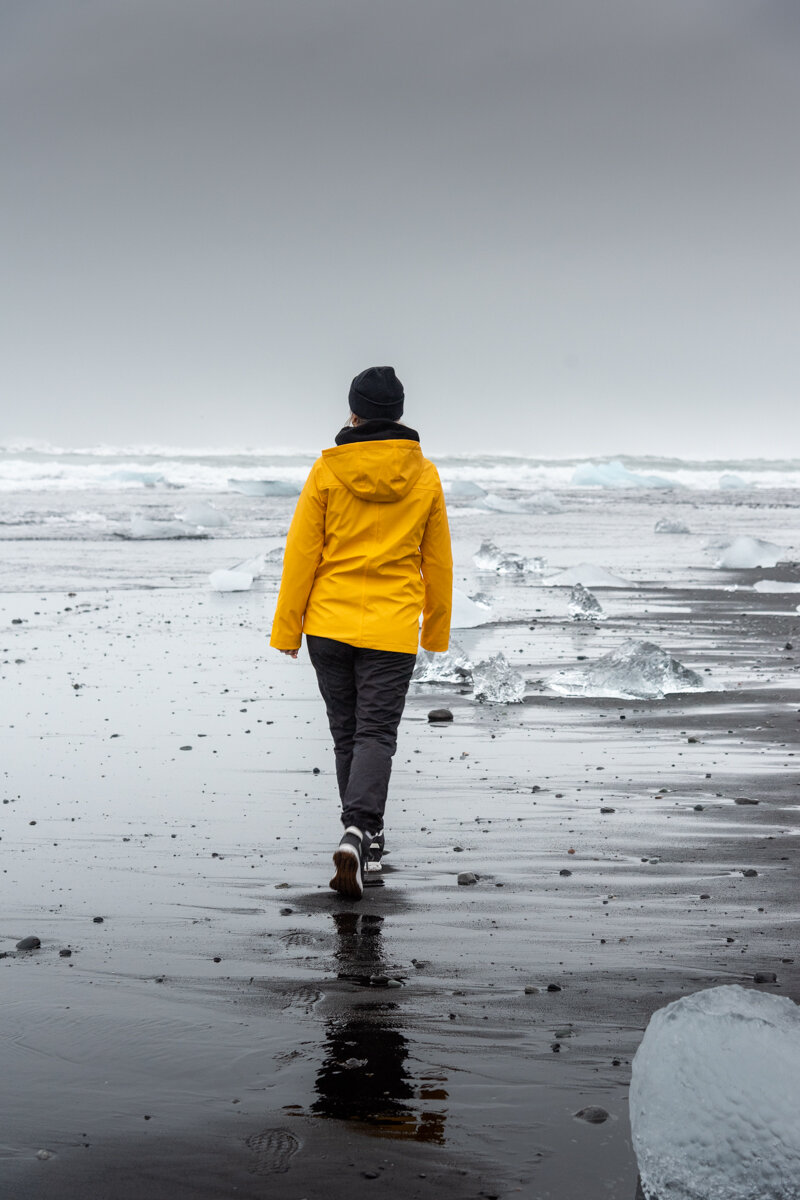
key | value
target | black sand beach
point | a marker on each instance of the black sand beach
(233, 1028)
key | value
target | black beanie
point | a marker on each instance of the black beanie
(377, 392)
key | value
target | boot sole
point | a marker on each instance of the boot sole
(347, 880)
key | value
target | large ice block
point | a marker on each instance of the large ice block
(453, 666)
(634, 671)
(744, 553)
(489, 557)
(584, 605)
(715, 1098)
(589, 574)
(495, 682)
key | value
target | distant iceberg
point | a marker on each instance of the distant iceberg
(744, 553)
(464, 489)
(634, 671)
(615, 475)
(588, 574)
(670, 525)
(230, 581)
(264, 487)
(733, 483)
(143, 529)
(468, 613)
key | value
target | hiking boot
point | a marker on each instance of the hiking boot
(349, 861)
(372, 865)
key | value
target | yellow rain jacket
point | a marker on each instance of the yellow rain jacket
(368, 551)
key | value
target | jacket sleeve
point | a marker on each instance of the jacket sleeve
(437, 575)
(301, 558)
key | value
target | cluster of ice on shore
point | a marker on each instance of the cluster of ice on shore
(670, 525)
(636, 670)
(587, 574)
(145, 529)
(493, 680)
(615, 475)
(205, 515)
(584, 605)
(729, 483)
(744, 553)
(489, 557)
(715, 1096)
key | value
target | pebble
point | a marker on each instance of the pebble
(97, 920)
(65, 954)
(43, 1155)
(564, 871)
(440, 714)
(458, 849)
(467, 878)
(286, 912)
(607, 810)
(698, 808)
(185, 747)
(554, 987)
(315, 770)
(29, 943)
(593, 1114)
(530, 990)
(745, 800)
(749, 873)
(765, 977)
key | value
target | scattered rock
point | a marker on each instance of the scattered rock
(564, 871)
(440, 714)
(698, 807)
(745, 800)
(43, 1155)
(315, 770)
(65, 953)
(185, 747)
(530, 990)
(765, 977)
(286, 912)
(278, 886)
(29, 943)
(749, 872)
(554, 987)
(693, 741)
(467, 878)
(593, 1114)
(458, 849)
(97, 920)
(607, 810)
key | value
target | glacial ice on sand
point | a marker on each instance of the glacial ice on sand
(452, 666)
(744, 553)
(495, 682)
(670, 525)
(264, 487)
(202, 513)
(634, 671)
(465, 489)
(144, 529)
(732, 482)
(230, 581)
(589, 574)
(614, 475)
(497, 503)
(584, 606)
(489, 557)
(468, 613)
(715, 1097)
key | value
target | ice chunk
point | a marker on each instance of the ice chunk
(589, 574)
(775, 585)
(489, 557)
(146, 478)
(142, 528)
(744, 553)
(544, 501)
(732, 482)
(635, 671)
(264, 487)
(614, 475)
(468, 613)
(668, 525)
(497, 503)
(583, 606)
(230, 581)
(715, 1096)
(201, 513)
(452, 666)
(495, 682)
(465, 489)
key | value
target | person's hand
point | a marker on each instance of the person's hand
(290, 653)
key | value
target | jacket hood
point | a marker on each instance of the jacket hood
(383, 471)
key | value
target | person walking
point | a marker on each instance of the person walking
(368, 552)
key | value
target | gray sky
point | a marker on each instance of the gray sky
(571, 226)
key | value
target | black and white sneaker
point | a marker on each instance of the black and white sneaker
(349, 861)
(373, 866)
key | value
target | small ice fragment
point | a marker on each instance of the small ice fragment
(465, 489)
(274, 555)
(452, 666)
(589, 574)
(544, 501)
(264, 487)
(615, 475)
(714, 1097)
(732, 482)
(230, 581)
(201, 513)
(468, 613)
(635, 670)
(584, 606)
(144, 529)
(497, 503)
(489, 557)
(495, 682)
(743, 553)
(670, 525)
(775, 585)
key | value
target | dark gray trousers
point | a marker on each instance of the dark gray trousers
(365, 693)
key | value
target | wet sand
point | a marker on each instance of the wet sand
(233, 1028)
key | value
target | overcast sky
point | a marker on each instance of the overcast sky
(570, 225)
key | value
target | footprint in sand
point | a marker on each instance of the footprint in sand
(274, 1150)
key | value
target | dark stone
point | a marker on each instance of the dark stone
(564, 871)
(593, 1114)
(745, 800)
(554, 987)
(607, 810)
(29, 943)
(315, 770)
(65, 954)
(467, 878)
(698, 808)
(97, 920)
(749, 873)
(693, 740)
(765, 977)
(440, 714)
(286, 912)
(185, 747)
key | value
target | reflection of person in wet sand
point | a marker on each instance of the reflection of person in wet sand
(368, 552)
(364, 1076)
